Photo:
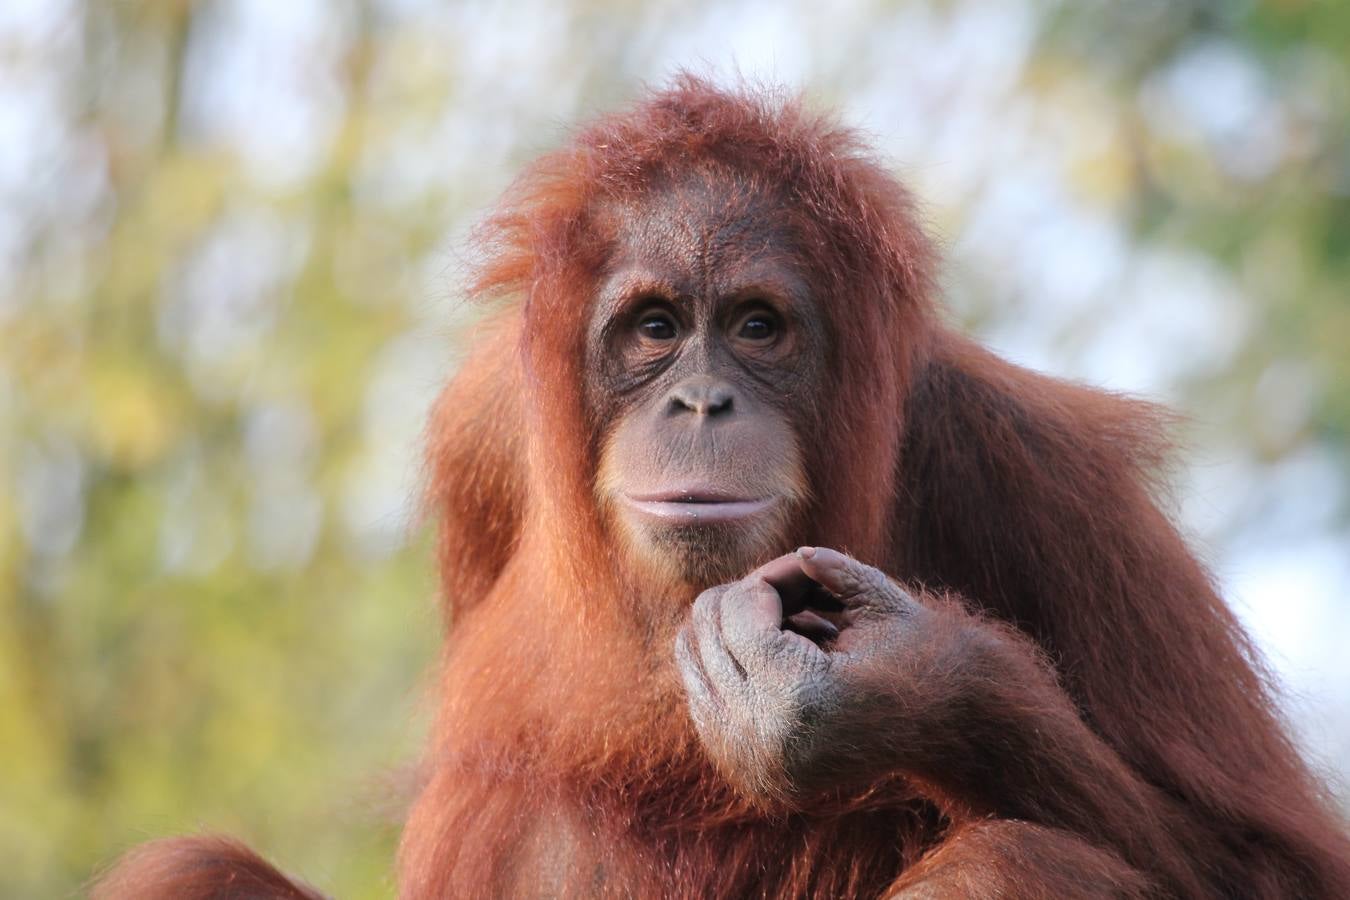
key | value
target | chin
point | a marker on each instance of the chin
(704, 555)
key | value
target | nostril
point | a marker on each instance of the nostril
(679, 404)
(701, 397)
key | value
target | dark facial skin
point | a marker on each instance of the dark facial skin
(708, 353)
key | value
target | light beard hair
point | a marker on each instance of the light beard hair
(688, 559)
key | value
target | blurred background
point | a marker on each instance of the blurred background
(230, 237)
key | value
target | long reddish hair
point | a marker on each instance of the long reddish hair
(562, 737)
(954, 470)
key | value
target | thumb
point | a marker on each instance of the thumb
(853, 583)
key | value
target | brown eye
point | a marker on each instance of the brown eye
(657, 327)
(758, 327)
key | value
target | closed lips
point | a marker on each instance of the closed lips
(693, 506)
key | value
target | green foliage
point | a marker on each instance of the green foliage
(220, 323)
(192, 349)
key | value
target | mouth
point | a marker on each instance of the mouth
(696, 506)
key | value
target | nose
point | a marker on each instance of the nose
(702, 395)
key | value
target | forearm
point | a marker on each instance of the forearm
(978, 718)
(996, 858)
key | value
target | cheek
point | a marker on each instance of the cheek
(620, 468)
(613, 479)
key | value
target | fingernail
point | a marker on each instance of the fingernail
(806, 552)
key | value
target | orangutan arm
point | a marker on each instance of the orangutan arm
(897, 683)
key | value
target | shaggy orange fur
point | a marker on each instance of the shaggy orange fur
(1140, 754)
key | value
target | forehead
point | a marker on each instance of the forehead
(704, 232)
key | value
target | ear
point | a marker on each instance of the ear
(475, 459)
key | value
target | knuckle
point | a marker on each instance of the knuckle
(746, 588)
(707, 602)
(755, 585)
(758, 655)
(858, 577)
(682, 649)
(901, 599)
(684, 661)
(796, 662)
(869, 580)
(805, 694)
(879, 593)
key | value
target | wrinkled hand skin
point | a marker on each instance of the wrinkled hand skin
(784, 696)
